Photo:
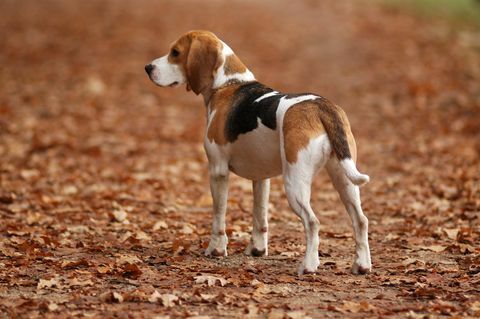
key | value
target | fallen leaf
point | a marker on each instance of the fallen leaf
(168, 300)
(154, 296)
(117, 297)
(298, 314)
(68, 264)
(451, 233)
(131, 271)
(76, 282)
(210, 280)
(120, 215)
(160, 225)
(355, 307)
(435, 248)
(130, 259)
(52, 306)
(48, 283)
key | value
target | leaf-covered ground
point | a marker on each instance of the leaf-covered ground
(104, 198)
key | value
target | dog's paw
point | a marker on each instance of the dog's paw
(302, 270)
(251, 250)
(215, 252)
(217, 246)
(359, 269)
(308, 267)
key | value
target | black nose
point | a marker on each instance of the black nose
(149, 68)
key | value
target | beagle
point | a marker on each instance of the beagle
(258, 133)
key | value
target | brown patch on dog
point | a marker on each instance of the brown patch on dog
(198, 54)
(233, 65)
(300, 125)
(309, 119)
(220, 103)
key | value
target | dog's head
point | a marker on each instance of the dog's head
(193, 59)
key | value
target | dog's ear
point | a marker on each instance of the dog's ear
(202, 62)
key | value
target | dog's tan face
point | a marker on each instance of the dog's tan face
(193, 59)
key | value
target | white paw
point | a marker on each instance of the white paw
(361, 268)
(309, 266)
(252, 250)
(217, 246)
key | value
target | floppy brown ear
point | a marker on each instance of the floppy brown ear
(202, 61)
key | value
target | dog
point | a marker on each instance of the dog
(258, 133)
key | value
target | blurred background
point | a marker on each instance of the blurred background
(84, 133)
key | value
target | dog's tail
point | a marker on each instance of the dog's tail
(352, 172)
(335, 123)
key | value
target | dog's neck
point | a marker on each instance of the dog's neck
(232, 71)
(210, 92)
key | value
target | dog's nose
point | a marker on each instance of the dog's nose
(149, 68)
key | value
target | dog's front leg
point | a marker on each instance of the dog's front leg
(219, 189)
(258, 245)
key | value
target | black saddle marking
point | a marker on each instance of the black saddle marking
(244, 111)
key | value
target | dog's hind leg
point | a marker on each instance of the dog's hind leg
(297, 186)
(298, 178)
(350, 196)
(258, 245)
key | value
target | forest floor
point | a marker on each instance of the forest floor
(104, 200)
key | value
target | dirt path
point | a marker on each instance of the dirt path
(104, 200)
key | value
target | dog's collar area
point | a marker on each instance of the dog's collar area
(228, 83)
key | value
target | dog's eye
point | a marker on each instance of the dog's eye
(174, 53)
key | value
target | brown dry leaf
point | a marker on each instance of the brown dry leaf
(160, 225)
(252, 311)
(68, 264)
(210, 280)
(413, 315)
(117, 297)
(154, 296)
(48, 283)
(298, 314)
(435, 248)
(208, 297)
(355, 307)
(276, 314)
(168, 300)
(104, 269)
(131, 271)
(475, 308)
(120, 215)
(140, 235)
(452, 233)
(188, 229)
(76, 282)
(52, 306)
(130, 259)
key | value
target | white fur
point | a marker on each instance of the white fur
(350, 196)
(165, 73)
(221, 78)
(259, 242)
(298, 180)
(352, 172)
(273, 93)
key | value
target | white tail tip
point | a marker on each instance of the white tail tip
(352, 173)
